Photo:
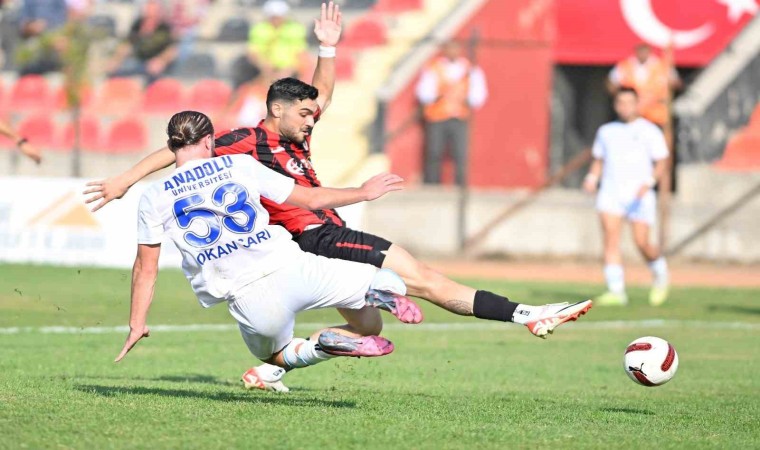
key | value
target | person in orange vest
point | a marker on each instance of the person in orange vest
(450, 88)
(651, 77)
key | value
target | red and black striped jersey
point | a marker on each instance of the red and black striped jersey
(285, 157)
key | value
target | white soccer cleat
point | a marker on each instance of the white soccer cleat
(553, 315)
(265, 377)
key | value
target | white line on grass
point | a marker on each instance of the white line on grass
(444, 326)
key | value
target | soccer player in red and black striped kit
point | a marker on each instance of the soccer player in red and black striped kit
(281, 142)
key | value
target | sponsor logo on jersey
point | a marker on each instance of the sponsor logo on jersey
(298, 167)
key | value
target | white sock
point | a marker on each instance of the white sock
(303, 353)
(388, 280)
(615, 277)
(659, 268)
(524, 313)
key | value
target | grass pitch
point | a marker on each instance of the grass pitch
(468, 385)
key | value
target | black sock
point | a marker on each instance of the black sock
(488, 305)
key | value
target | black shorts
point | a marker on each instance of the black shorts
(333, 241)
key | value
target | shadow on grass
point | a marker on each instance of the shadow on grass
(194, 378)
(642, 412)
(255, 397)
(739, 309)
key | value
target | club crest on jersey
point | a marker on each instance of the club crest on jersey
(298, 167)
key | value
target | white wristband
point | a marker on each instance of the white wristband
(651, 182)
(591, 178)
(326, 52)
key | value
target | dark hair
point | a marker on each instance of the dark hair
(290, 90)
(187, 128)
(627, 89)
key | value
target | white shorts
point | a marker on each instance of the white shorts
(266, 309)
(644, 210)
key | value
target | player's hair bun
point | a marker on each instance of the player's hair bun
(187, 128)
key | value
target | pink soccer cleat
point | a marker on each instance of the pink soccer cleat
(342, 345)
(401, 307)
(554, 315)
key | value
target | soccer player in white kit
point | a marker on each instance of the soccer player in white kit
(211, 210)
(630, 156)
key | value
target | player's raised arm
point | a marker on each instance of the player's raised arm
(115, 187)
(327, 29)
(328, 198)
(144, 273)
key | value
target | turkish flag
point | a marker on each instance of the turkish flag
(606, 31)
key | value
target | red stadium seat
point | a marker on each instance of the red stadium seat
(209, 96)
(39, 129)
(126, 136)
(89, 138)
(397, 6)
(366, 32)
(118, 97)
(61, 102)
(165, 95)
(344, 67)
(30, 93)
(742, 152)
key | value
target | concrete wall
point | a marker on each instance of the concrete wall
(563, 223)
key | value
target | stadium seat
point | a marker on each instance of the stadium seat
(197, 65)
(61, 102)
(393, 6)
(366, 32)
(209, 96)
(103, 25)
(126, 136)
(39, 129)
(165, 95)
(234, 30)
(118, 97)
(30, 93)
(742, 152)
(344, 67)
(89, 138)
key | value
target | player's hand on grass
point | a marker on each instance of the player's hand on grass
(105, 191)
(135, 334)
(327, 28)
(381, 184)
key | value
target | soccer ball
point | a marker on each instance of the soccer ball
(650, 361)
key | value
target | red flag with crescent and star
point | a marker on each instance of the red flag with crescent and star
(605, 31)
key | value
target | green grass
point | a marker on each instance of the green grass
(487, 388)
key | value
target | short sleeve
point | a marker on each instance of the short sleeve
(597, 151)
(658, 147)
(150, 229)
(271, 184)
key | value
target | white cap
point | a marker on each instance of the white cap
(276, 8)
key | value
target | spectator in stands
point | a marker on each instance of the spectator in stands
(22, 144)
(149, 50)
(449, 89)
(38, 21)
(278, 45)
(651, 77)
(186, 16)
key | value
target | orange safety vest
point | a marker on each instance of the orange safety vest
(452, 95)
(652, 91)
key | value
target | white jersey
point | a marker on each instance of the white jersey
(628, 151)
(211, 210)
